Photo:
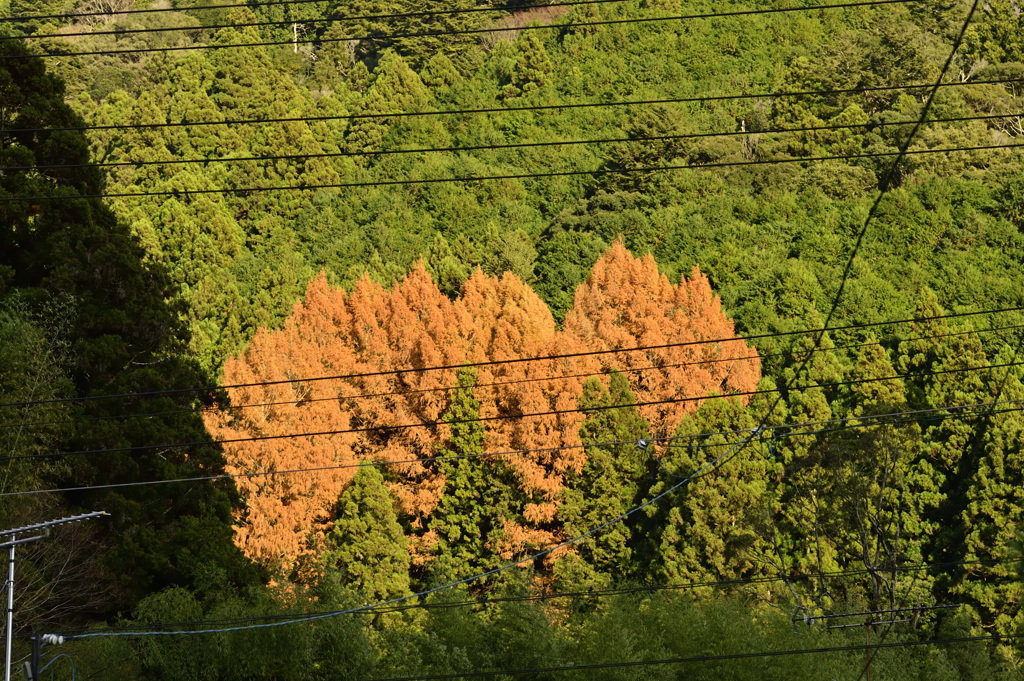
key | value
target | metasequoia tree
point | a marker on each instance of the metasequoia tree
(387, 365)
(357, 338)
(503, 319)
(284, 508)
(626, 303)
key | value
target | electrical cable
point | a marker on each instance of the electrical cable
(55, 658)
(427, 592)
(714, 464)
(991, 412)
(826, 431)
(268, 3)
(319, 469)
(519, 360)
(492, 384)
(862, 613)
(864, 422)
(885, 634)
(514, 109)
(702, 658)
(886, 183)
(516, 176)
(485, 419)
(593, 593)
(708, 467)
(851, 256)
(868, 127)
(258, 24)
(464, 31)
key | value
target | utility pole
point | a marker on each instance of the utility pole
(36, 645)
(31, 670)
(38, 531)
(867, 647)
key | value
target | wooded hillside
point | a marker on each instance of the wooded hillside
(573, 329)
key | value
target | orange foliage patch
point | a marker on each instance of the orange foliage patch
(626, 304)
(358, 338)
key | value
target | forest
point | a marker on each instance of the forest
(616, 339)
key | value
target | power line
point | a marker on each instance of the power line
(360, 17)
(492, 384)
(863, 422)
(289, 22)
(712, 465)
(501, 417)
(886, 184)
(903, 151)
(513, 109)
(417, 391)
(781, 652)
(466, 31)
(519, 360)
(593, 593)
(515, 176)
(319, 469)
(443, 587)
(702, 658)
(501, 147)
(839, 615)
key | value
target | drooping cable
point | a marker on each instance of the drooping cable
(490, 384)
(269, 3)
(552, 596)
(868, 127)
(517, 360)
(514, 109)
(486, 419)
(514, 176)
(704, 658)
(465, 31)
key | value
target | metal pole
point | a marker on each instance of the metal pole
(867, 647)
(10, 608)
(36, 645)
(43, 527)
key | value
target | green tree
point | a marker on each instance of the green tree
(992, 504)
(334, 59)
(608, 485)
(366, 546)
(416, 35)
(447, 269)
(707, 530)
(533, 68)
(479, 494)
(124, 339)
(1010, 196)
(996, 35)
(396, 88)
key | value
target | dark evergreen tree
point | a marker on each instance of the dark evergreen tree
(396, 88)
(366, 546)
(533, 68)
(63, 243)
(608, 486)
(479, 494)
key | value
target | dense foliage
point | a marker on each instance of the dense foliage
(522, 636)
(82, 315)
(318, 214)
